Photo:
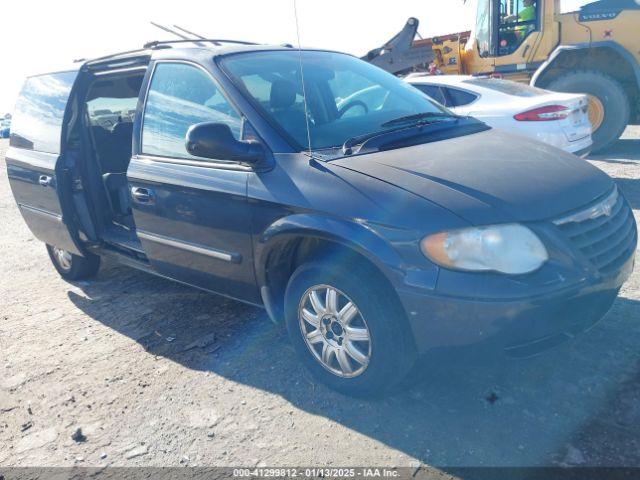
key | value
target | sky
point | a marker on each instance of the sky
(42, 35)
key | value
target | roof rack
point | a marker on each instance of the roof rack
(157, 44)
(124, 56)
(215, 41)
(177, 34)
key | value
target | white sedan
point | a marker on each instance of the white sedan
(559, 119)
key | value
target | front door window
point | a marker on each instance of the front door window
(182, 95)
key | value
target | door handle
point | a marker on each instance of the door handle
(142, 195)
(45, 180)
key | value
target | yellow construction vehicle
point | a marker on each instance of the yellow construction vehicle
(595, 50)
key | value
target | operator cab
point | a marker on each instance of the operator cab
(518, 18)
(502, 26)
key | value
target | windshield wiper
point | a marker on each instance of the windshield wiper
(419, 118)
(407, 123)
(347, 146)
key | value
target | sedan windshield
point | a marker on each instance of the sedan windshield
(347, 98)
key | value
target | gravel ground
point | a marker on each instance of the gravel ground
(157, 374)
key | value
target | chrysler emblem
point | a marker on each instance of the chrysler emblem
(604, 208)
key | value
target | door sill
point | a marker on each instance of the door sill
(122, 238)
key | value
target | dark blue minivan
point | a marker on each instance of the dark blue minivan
(378, 229)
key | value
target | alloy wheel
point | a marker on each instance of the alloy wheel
(335, 331)
(63, 258)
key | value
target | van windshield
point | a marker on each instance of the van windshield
(346, 97)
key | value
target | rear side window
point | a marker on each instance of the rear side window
(180, 96)
(506, 86)
(39, 113)
(433, 91)
(459, 98)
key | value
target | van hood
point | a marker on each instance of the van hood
(488, 177)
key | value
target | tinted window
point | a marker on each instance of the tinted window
(180, 96)
(459, 98)
(273, 81)
(433, 91)
(507, 86)
(37, 120)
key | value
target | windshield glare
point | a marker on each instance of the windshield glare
(346, 97)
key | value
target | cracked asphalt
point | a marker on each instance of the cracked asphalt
(157, 374)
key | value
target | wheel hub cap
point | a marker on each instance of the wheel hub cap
(62, 257)
(335, 331)
(596, 112)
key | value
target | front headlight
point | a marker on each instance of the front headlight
(512, 249)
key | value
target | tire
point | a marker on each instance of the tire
(613, 97)
(73, 267)
(390, 349)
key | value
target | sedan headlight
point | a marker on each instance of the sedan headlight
(512, 249)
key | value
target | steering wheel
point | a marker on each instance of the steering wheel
(353, 103)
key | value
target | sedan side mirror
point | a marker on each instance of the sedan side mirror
(216, 141)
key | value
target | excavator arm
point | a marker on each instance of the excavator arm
(401, 54)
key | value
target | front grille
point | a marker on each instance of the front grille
(605, 232)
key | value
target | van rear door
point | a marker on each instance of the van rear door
(35, 157)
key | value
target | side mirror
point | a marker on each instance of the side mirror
(216, 141)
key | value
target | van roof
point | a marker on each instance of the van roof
(170, 49)
(161, 49)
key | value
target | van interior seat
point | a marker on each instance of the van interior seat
(118, 188)
(284, 106)
(114, 153)
(121, 138)
(109, 106)
(282, 99)
(113, 146)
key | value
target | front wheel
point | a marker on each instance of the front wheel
(71, 266)
(609, 109)
(347, 330)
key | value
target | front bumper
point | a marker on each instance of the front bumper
(518, 327)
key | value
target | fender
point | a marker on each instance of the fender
(586, 46)
(357, 236)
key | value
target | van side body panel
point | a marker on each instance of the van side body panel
(195, 229)
(34, 159)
